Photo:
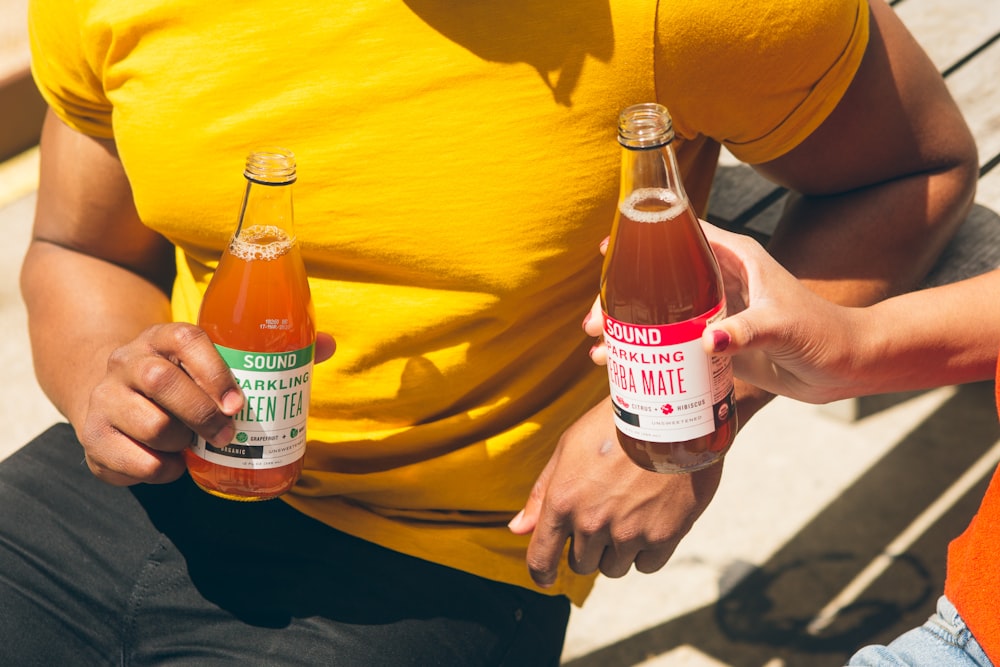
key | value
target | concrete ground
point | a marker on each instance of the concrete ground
(826, 533)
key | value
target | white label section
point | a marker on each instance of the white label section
(664, 387)
(271, 428)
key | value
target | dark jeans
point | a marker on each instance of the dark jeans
(168, 575)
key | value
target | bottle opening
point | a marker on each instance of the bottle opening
(645, 126)
(271, 166)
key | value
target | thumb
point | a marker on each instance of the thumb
(728, 337)
(325, 347)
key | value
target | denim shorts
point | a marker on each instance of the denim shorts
(943, 641)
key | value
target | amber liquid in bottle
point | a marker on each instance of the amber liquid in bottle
(660, 286)
(258, 311)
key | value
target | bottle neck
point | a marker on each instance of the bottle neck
(267, 205)
(651, 168)
(267, 201)
(646, 134)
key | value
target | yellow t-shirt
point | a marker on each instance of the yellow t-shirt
(457, 169)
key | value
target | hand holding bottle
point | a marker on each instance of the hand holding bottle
(782, 337)
(160, 390)
(806, 357)
(786, 339)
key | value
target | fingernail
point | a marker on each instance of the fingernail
(232, 401)
(592, 350)
(586, 318)
(720, 340)
(605, 243)
(516, 520)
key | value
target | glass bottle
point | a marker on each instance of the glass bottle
(258, 311)
(660, 286)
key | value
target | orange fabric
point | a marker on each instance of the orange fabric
(973, 581)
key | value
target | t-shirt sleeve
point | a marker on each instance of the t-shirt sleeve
(66, 66)
(757, 76)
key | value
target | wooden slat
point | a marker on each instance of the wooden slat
(738, 193)
(950, 30)
(989, 189)
(975, 88)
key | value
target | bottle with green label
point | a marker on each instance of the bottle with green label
(258, 311)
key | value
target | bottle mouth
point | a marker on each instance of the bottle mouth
(645, 126)
(271, 166)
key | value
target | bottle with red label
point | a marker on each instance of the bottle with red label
(258, 311)
(661, 285)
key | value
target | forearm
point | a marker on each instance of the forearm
(80, 309)
(859, 248)
(885, 180)
(929, 338)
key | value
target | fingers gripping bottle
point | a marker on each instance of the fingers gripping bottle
(661, 285)
(258, 311)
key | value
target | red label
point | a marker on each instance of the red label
(659, 334)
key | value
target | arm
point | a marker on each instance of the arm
(795, 343)
(882, 184)
(894, 165)
(95, 283)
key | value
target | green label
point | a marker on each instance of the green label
(266, 361)
(271, 427)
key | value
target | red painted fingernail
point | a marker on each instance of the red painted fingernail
(586, 318)
(720, 340)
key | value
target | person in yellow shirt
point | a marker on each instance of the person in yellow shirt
(456, 166)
